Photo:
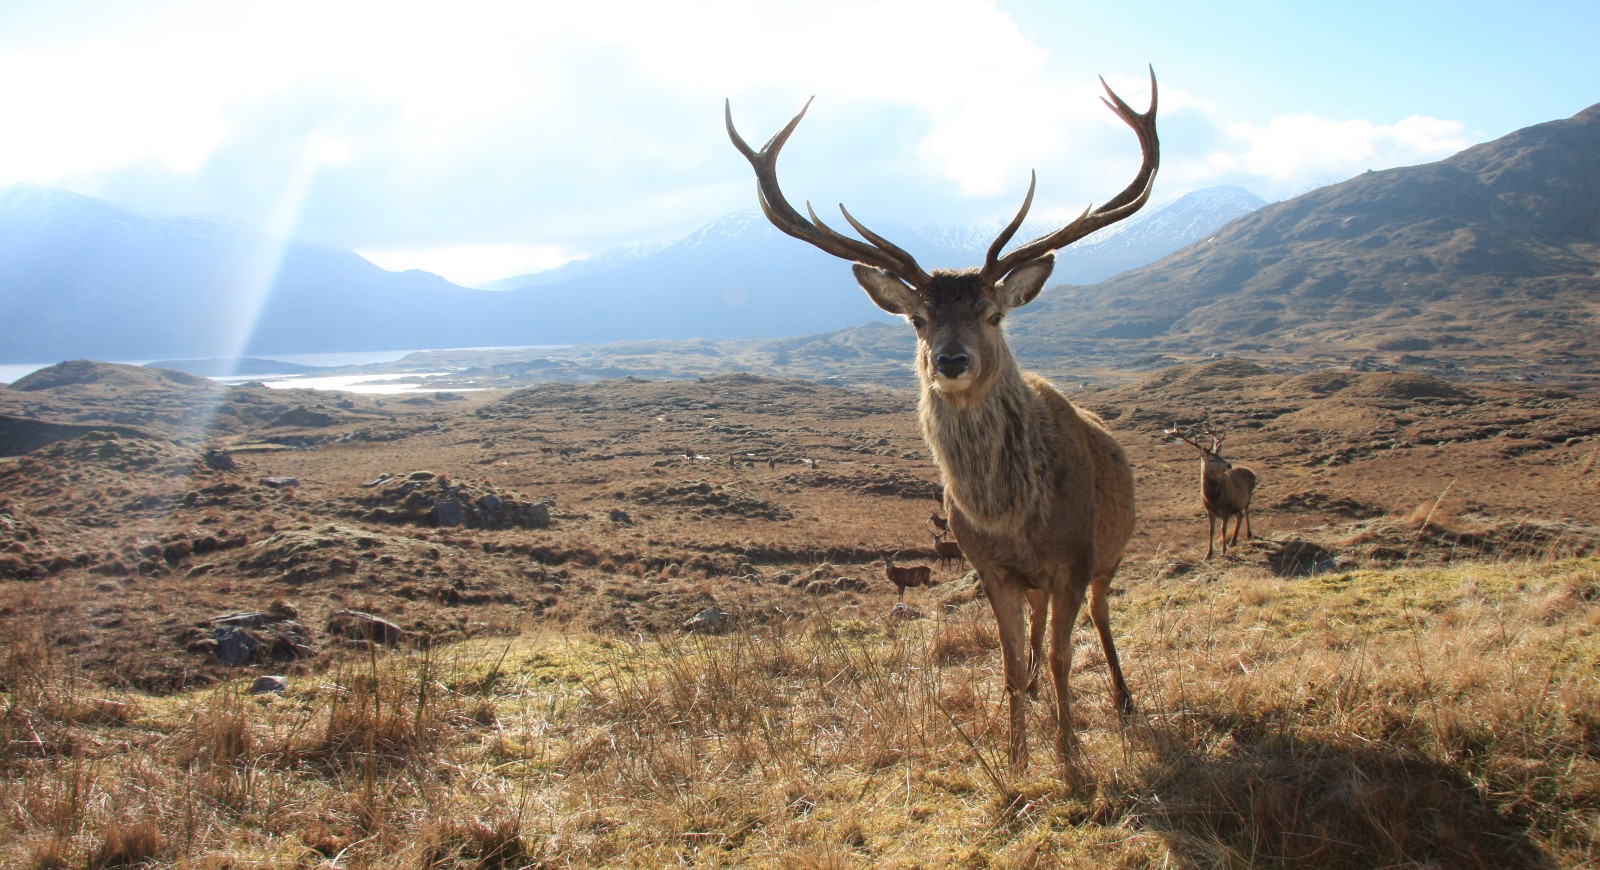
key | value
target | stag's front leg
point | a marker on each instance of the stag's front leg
(1066, 600)
(1211, 532)
(1006, 597)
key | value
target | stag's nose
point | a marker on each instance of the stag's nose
(951, 365)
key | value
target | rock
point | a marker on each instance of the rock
(279, 482)
(357, 625)
(220, 460)
(236, 646)
(242, 619)
(269, 686)
(709, 621)
(449, 512)
(902, 610)
(249, 637)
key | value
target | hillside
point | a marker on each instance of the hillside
(1488, 261)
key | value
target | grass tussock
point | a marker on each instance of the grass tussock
(1438, 717)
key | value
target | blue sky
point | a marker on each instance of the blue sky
(485, 139)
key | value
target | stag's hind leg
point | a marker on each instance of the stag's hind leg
(1038, 615)
(1238, 523)
(1100, 614)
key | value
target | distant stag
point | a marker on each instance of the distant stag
(906, 578)
(1225, 489)
(939, 524)
(948, 552)
(1038, 492)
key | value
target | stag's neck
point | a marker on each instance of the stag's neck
(989, 451)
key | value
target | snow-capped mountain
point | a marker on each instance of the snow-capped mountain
(1147, 236)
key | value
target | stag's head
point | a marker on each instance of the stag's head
(1210, 457)
(957, 314)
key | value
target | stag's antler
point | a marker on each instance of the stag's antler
(881, 253)
(1177, 433)
(1124, 204)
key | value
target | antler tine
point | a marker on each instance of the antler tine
(1000, 241)
(1178, 434)
(880, 253)
(1125, 204)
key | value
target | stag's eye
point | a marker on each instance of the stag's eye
(994, 319)
(918, 322)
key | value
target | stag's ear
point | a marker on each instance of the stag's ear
(1024, 282)
(887, 292)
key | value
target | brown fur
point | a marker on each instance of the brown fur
(1038, 492)
(1225, 489)
(948, 552)
(907, 578)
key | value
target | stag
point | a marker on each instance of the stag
(1037, 491)
(1225, 489)
(906, 578)
(948, 551)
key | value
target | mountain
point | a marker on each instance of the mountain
(79, 277)
(604, 261)
(1489, 257)
(1148, 235)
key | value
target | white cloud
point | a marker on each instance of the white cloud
(1291, 153)
(484, 136)
(469, 265)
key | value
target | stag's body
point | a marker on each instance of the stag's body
(909, 577)
(1225, 490)
(948, 552)
(1038, 493)
(1041, 498)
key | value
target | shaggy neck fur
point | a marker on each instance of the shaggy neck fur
(986, 447)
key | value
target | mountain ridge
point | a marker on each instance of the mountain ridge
(82, 278)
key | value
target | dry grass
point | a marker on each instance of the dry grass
(1442, 717)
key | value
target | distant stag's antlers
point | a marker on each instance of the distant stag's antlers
(1038, 492)
(1225, 488)
(909, 577)
(939, 524)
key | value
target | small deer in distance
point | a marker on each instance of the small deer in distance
(948, 552)
(909, 577)
(1225, 489)
(1039, 494)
